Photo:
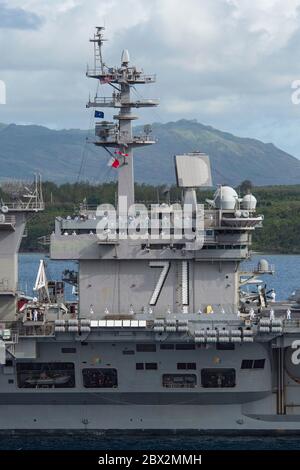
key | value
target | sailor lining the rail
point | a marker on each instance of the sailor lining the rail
(35, 315)
(273, 295)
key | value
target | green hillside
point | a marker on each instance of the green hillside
(64, 156)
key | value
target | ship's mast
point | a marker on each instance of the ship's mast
(119, 136)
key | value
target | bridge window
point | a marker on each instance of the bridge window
(179, 380)
(186, 365)
(259, 364)
(167, 346)
(68, 350)
(100, 378)
(46, 375)
(247, 364)
(218, 378)
(151, 365)
(185, 346)
(146, 347)
(225, 346)
(147, 366)
(253, 364)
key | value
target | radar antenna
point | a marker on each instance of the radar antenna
(119, 133)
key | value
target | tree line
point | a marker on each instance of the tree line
(279, 204)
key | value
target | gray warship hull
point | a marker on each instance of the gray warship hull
(142, 399)
(163, 335)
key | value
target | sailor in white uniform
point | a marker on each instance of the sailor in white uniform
(273, 295)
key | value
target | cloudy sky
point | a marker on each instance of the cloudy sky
(226, 63)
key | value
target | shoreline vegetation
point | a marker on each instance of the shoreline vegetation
(280, 206)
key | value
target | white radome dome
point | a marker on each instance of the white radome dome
(249, 202)
(225, 198)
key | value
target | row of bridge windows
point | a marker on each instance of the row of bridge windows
(151, 347)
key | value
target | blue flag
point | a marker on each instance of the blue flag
(99, 114)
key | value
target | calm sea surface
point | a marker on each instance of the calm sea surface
(284, 281)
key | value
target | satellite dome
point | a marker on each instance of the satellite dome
(225, 198)
(249, 202)
(263, 266)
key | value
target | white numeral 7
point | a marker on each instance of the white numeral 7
(165, 265)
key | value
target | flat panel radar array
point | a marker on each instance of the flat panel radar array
(193, 170)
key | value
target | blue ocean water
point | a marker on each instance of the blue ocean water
(287, 273)
(161, 443)
(284, 281)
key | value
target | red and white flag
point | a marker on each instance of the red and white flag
(114, 163)
(121, 153)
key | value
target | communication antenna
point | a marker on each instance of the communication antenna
(98, 41)
(147, 129)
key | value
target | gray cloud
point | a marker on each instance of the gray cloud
(227, 63)
(18, 18)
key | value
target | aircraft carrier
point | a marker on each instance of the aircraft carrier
(164, 334)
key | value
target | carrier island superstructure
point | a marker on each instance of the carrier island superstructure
(163, 336)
